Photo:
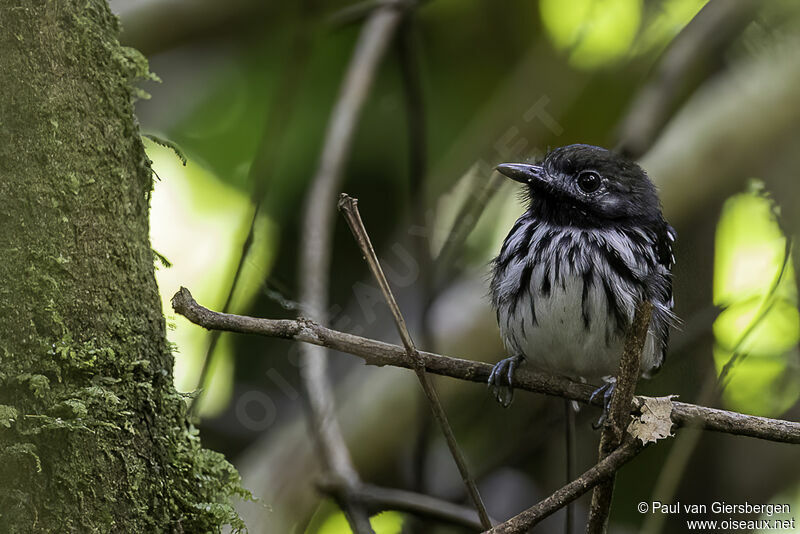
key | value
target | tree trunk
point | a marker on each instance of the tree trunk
(93, 436)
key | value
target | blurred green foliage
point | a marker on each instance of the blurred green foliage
(383, 523)
(199, 224)
(596, 33)
(759, 328)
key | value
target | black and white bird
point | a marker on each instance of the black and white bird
(592, 244)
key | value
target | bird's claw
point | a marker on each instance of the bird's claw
(501, 380)
(607, 390)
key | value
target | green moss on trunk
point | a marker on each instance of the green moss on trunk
(93, 437)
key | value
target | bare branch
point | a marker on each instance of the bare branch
(619, 413)
(319, 214)
(603, 470)
(569, 454)
(628, 374)
(315, 252)
(409, 58)
(349, 207)
(379, 353)
(408, 52)
(377, 498)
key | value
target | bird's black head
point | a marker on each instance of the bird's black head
(586, 185)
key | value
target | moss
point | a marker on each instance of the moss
(86, 355)
(8, 414)
(21, 453)
(70, 409)
(93, 436)
(39, 385)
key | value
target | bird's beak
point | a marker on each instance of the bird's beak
(521, 172)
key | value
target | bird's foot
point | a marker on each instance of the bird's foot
(501, 380)
(607, 390)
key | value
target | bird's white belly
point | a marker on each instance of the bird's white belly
(569, 337)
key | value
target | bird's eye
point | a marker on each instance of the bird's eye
(588, 181)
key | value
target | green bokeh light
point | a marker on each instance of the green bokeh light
(383, 523)
(199, 224)
(596, 33)
(754, 283)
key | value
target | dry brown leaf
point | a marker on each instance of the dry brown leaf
(655, 422)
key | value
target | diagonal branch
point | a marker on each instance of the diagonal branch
(349, 207)
(465, 221)
(603, 470)
(378, 353)
(317, 235)
(619, 413)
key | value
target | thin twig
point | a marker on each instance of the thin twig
(619, 412)
(408, 56)
(604, 469)
(377, 498)
(466, 219)
(378, 353)
(408, 52)
(569, 450)
(215, 335)
(763, 310)
(349, 207)
(317, 235)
